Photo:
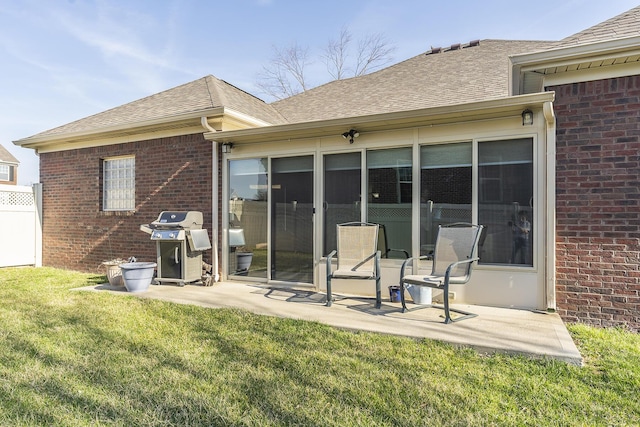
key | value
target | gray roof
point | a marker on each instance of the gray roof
(453, 76)
(199, 95)
(6, 156)
(626, 24)
(467, 73)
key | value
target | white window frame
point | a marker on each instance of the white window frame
(119, 183)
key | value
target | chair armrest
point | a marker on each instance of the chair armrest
(375, 255)
(447, 273)
(405, 253)
(329, 257)
(410, 260)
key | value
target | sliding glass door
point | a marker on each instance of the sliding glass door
(292, 219)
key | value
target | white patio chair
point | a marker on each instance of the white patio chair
(453, 260)
(357, 255)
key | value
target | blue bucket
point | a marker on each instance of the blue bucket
(394, 293)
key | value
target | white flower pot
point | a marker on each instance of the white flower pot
(114, 274)
(419, 294)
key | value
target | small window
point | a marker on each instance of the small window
(119, 184)
(5, 173)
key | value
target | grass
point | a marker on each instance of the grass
(82, 358)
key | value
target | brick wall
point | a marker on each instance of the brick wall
(171, 174)
(598, 202)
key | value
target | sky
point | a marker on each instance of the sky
(62, 60)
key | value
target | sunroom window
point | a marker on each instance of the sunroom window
(445, 189)
(505, 201)
(389, 190)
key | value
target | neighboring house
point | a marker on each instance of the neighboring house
(486, 132)
(8, 167)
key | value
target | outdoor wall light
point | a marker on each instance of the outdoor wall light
(351, 135)
(226, 147)
(527, 117)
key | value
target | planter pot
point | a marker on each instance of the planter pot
(243, 262)
(419, 294)
(114, 274)
(137, 276)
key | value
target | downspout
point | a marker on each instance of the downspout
(550, 253)
(214, 203)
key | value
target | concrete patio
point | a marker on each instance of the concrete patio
(530, 333)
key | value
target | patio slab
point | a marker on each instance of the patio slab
(531, 333)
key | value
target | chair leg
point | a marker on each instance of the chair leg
(329, 296)
(404, 303)
(445, 298)
(378, 293)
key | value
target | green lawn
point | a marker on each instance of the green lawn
(88, 358)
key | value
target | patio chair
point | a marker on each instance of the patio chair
(383, 247)
(453, 259)
(357, 256)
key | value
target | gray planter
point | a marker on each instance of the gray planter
(137, 276)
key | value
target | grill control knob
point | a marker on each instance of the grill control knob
(172, 235)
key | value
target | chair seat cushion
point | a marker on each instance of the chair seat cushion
(350, 274)
(420, 280)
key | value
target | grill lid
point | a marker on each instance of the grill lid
(190, 220)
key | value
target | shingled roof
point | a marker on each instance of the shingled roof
(478, 71)
(6, 156)
(199, 95)
(458, 74)
(626, 24)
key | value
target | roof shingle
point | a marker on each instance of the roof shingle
(468, 74)
(199, 95)
(626, 24)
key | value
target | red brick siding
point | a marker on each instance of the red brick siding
(171, 174)
(598, 202)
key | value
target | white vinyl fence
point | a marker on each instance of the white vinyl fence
(20, 225)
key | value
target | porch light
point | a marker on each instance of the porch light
(351, 135)
(527, 117)
(226, 147)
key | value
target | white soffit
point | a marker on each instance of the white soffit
(594, 61)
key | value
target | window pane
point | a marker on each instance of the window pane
(445, 189)
(505, 177)
(4, 172)
(342, 188)
(248, 217)
(119, 184)
(389, 175)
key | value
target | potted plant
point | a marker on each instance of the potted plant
(243, 260)
(138, 275)
(114, 274)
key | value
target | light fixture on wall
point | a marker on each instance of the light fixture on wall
(351, 135)
(226, 147)
(527, 117)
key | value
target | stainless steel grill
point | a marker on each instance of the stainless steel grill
(180, 240)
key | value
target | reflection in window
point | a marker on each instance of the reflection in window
(389, 196)
(505, 200)
(248, 217)
(445, 189)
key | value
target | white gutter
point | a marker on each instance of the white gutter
(214, 202)
(550, 227)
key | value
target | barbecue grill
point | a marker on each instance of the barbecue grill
(180, 240)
